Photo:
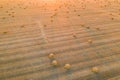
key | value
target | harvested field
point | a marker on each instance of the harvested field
(59, 39)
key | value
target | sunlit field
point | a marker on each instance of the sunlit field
(59, 39)
(47, 10)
